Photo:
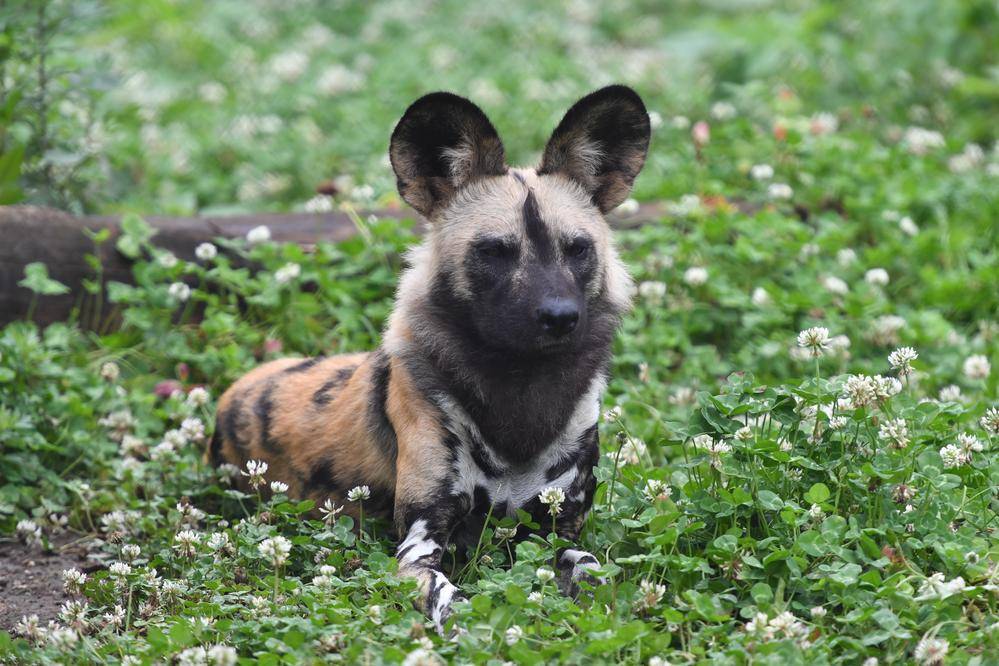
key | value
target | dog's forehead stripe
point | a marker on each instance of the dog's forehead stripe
(537, 231)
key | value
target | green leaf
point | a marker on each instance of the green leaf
(818, 493)
(770, 500)
(36, 278)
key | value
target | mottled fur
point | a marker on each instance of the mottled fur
(487, 385)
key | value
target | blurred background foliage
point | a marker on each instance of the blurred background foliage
(181, 106)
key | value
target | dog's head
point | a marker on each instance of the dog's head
(521, 259)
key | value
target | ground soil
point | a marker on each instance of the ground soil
(31, 578)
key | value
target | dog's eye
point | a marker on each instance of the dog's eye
(579, 248)
(493, 248)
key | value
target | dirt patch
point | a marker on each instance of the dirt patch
(31, 579)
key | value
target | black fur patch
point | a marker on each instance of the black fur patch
(572, 459)
(231, 422)
(263, 408)
(381, 372)
(304, 365)
(322, 478)
(215, 448)
(325, 394)
(536, 230)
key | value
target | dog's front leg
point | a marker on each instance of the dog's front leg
(419, 557)
(576, 565)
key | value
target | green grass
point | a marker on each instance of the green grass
(810, 503)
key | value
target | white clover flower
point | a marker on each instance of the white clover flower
(969, 443)
(990, 421)
(895, 432)
(535, 597)
(63, 639)
(683, 396)
(760, 297)
(652, 291)
(930, 651)
(785, 444)
(846, 256)
(656, 489)
(818, 612)
(950, 393)
(650, 595)
(815, 512)
(129, 552)
(167, 260)
(953, 456)
(695, 276)
(920, 141)
(613, 414)
(744, 434)
(319, 204)
(289, 65)
(222, 655)
(877, 277)
(278, 487)
(198, 396)
(544, 574)
(761, 172)
(74, 613)
(553, 497)
(901, 360)
(679, 122)
(255, 470)
(423, 656)
(73, 581)
(218, 541)
(780, 191)
(29, 628)
(977, 367)
(179, 292)
(630, 453)
(29, 532)
(110, 371)
(186, 542)
(206, 252)
(275, 550)
(119, 569)
(258, 235)
(859, 391)
(715, 450)
(193, 429)
(287, 273)
(886, 387)
(722, 111)
(329, 511)
(359, 494)
(703, 441)
(192, 656)
(815, 340)
(513, 634)
(886, 328)
(907, 226)
(835, 285)
(823, 123)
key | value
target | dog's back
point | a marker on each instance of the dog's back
(316, 422)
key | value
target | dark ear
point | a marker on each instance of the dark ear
(442, 143)
(601, 144)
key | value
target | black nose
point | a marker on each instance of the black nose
(558, 316)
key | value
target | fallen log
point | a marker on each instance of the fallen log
(59, 240)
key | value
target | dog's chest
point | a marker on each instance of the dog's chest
(478, 471)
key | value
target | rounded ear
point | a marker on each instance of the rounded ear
(601, 143)
(442, 143)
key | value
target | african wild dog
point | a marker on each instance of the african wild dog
(487, 385)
